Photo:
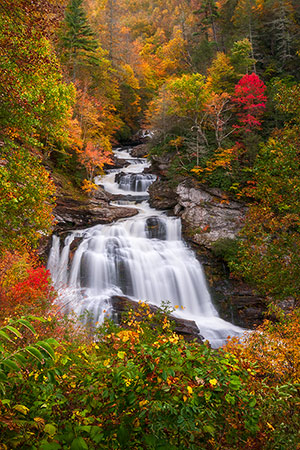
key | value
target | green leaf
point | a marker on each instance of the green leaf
(3, 376)
(53, 342)
(50, 429)
(20, 359)
(5, 336)
(86, 428)
(209, 429)
(13, 330)
(230, 399)
(45, 445)
(27, 325)
(35, 353)
(11, 365)
(151, 440)
(47, 348)
(96, 434)
(79, 444)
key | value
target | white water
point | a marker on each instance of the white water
(144, 258)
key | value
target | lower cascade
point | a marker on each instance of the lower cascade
(143, 258)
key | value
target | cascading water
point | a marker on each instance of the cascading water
(135, 182)
(144, 258)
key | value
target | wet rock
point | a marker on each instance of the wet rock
(236, 301)
(71, 214)
(118, 163)
(208, 213)
(156, 229)
(100, 194)
(186, 328)
(161, 195)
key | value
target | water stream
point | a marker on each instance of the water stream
(144, 258)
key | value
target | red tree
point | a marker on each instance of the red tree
(249, 96)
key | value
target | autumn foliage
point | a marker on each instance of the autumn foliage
(249, 96)
(24, 284)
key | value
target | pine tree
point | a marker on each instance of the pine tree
(79, 40)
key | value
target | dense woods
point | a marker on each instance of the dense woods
(217, 84)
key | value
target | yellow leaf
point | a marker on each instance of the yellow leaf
(21, 408)
(121, 355)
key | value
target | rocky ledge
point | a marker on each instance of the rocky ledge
(71, 213)
(186, 328)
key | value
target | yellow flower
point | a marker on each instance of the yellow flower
(213, 381)
(190, 390)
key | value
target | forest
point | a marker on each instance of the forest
(216, 84)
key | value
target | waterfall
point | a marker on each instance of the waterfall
(135, 182)
(144, 258)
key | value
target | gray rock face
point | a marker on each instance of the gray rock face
(207, 213)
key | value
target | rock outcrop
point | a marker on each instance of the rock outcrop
(160, 164)
(139, 151)
(207, 213)
(161, 195)
(186, 328)
(71, 214)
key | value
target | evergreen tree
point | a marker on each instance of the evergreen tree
(78, 41)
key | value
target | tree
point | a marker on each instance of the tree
(219, 113)
(221, 75)
(26, 198)
(208, 13)
(94, 157)
(181, 105)
(78, 39)
(35, 102)
(270, 248)
(249, 96)
(240, 56)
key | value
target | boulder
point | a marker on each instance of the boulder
(186, 328)
(139, 151)
(161, 195)
(208, 213)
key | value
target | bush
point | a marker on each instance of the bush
(226, 249)
(140, 386)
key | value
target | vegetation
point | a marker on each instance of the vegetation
(218, 84)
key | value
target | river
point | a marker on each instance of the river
(144, 258)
